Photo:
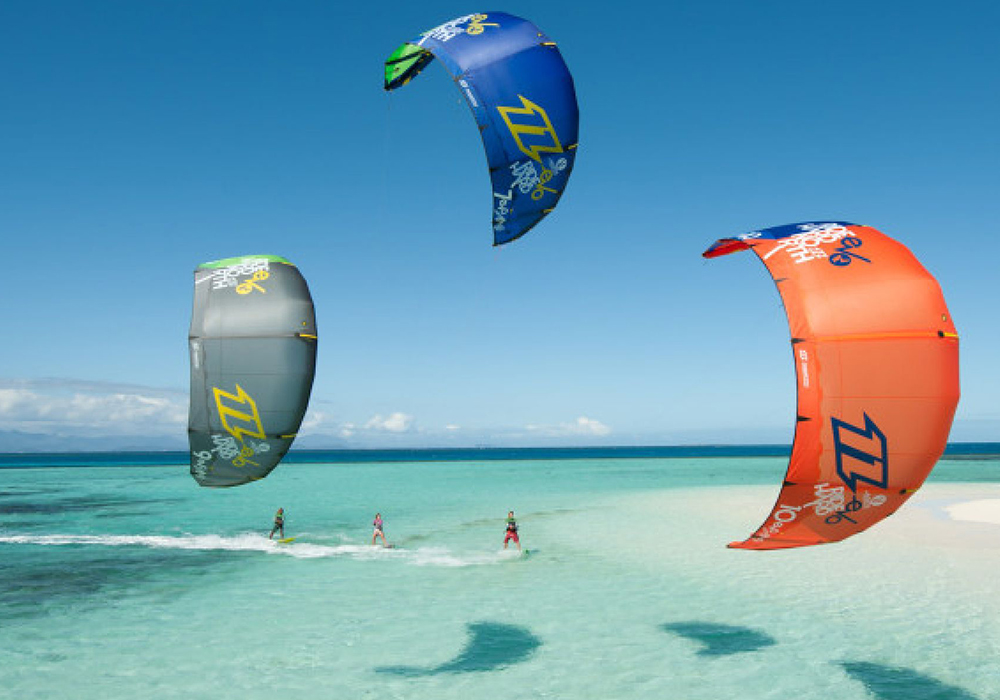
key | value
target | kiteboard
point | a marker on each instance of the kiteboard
(517, 554)
(286, 540)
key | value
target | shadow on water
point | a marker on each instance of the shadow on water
(22, 525)
(77, 504)
(21, 493)
(116, 514)
(890, 683)
(491, 646)
(81, 577)
(718, 639)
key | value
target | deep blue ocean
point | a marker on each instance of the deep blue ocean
(72, 459)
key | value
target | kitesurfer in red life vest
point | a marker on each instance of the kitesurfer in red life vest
(511, 531)
(377, 524)
(279, 524)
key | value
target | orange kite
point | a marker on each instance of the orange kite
(876, 359)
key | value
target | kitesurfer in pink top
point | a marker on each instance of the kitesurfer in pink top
(377, 524)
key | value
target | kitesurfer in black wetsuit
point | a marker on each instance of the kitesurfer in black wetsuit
(279, 524)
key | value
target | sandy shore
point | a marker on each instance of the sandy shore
(981, 511)
(941, 520)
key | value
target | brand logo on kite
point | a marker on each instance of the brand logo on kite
(250, 285)
(238, 413)
(854, 505)
(227, 448)
(527, 177)
(862, 453)
(808, 244)
(449, 30)
(201, 464)
(829, 502)
(240, 418)
(478, 26)
(226, 277)
(843, 255)
(804, 365)
(826, 500)
(531, 128)
(467, 91)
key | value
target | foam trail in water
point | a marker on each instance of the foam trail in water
(250, 542)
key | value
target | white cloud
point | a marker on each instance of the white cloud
(312, 421)
(320, 425)
(451, 427)
(74, 406)
(582, 426)
(394, 423)
(18, 402)
(587, 426)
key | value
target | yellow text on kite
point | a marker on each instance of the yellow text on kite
(477, 25)
(251, 284)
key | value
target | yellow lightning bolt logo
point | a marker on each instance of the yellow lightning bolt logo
(231, 415)
(530, 120)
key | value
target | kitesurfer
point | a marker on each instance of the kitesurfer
(511, 531)
(377, 524)
(279, 524)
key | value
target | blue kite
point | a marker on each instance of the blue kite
(522, 96)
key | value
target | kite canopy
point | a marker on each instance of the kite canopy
(876, 358)
(522, 96)
(253, 356)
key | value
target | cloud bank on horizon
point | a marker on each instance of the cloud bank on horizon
(93, 410)
(56, 414)
(72, 406)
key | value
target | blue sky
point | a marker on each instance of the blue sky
(138, 140)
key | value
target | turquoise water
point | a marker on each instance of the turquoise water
(130, 581)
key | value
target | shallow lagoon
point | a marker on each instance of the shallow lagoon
(131, 581)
